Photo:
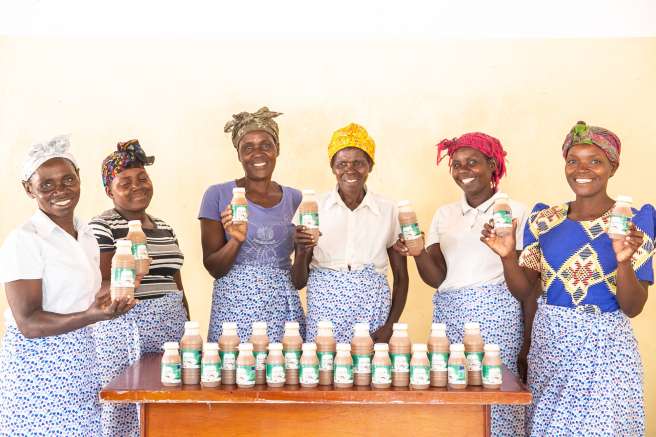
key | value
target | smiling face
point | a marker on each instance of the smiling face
(257, 153)
(587, 169)
(351, 167)
(56, 187)
(472, 171)
(131, 190)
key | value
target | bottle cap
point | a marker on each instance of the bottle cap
(625, 199)
(245, 347)
(361, 328)
(123, 244)
(134, 223)
(325, 324)
(381, 347)
(403, 203)
(491, 348)
(229, 326)
(441, 327)
(400, 326)
(309, 347)
(419, 347)
(472, 326)
(260, 326)
(171, 345)
(343, 347)
(503, 196)
(291, 325)
(191, 325)
(275, 346)
(207, 347)
(457, 347)
(308, 193)
(239, 190)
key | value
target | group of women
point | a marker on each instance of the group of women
(557, 285)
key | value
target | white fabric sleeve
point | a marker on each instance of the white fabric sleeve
(20, 257)
(434, 231)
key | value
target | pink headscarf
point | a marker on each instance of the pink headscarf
(486, 144)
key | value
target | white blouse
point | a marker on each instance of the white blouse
(68, 268)
(457, 228)
(350, 240)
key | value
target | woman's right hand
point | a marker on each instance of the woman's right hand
(236, 231)
(401, 248)
(504, 246)
(304, 241)
(104, 308)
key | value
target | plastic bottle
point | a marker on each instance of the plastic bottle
(502, 215)
(291, 347)
(343, 366)
(473, 352)
(139, 247)
(620, 218)
(245, 366)
(210, 375)
(419, 367)
(492, 373)
(457, 367)
(260, 341)
(191, 345)
(381, 367)
(362, 349)
(400, 346)
(275, 366)
(308, 213)
(410, 228)
(326, 349)
(309, 371)
(171, 374)
(123, 271)
(438, 354)
(228, 347)
(239, 208)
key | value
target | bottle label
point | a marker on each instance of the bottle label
(502, 219)
(361, 363)
(400, 363)
(619, 224)
(309, 220)
(309, 374)
(171, 373)
(419, 375)
(343, 374)
(474, 360)
(229, 360)
(457, 374)
(245, 375)
(239, 212)
(210, 372)
(381, 374)
(411, 231)
(491, 375)
(291, 359)
(139, 251)
(439, 361)
(190, 359)
(326, 360)
(275, 373)
(260, 360)
(123, 277)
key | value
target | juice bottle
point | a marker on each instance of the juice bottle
(191, 345)
(362, 348)
(473, 352)
(123, 271)
(419, 367)
(291, 348)
(275, 366)
(239, 208)
(438, 353)
(457, 367)
(260, 341)
(139, 247)
(400, 346)
(620, 218)
(308, 213)
(309, 371)
(502, 215)
(410, 228)
(228, 346)
(492, 374)
(245, 366)
(210, 374)
(170, 368)
(381, 367)
(343, 366)
(326, 349)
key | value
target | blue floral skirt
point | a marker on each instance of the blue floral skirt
(346, 298)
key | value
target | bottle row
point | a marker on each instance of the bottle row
(325, 362)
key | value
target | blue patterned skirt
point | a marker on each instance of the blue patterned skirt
(500, 317)
(48, 385)
(248, 294)
(121, 342)
(585, 374)
(346, 298)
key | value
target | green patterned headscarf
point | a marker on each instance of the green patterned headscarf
(607, 141)
(246, 122)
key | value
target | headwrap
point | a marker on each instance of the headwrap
(42, 152)
(486, 144)
(246, 122)
(127, 155)
(352, 135)
(607, 141)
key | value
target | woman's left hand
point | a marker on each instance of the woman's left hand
(382, 334)
(625, 247)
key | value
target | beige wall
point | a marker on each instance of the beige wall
(175, 97)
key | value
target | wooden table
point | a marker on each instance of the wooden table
(295, 411)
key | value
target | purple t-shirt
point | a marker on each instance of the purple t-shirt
(270, 230)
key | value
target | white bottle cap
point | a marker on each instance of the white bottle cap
(343, 347)
(457, 347)
(260, 326)
(309, 347)
(361, 329)
(381, 347)
(400, 327)
(245, 347)
(228, 325)
(491, 348)
(191, 325)
(625, 199)
(275, 347)
(291, 325)
(308, 193)
(171, 345)
(239, 190)
(419, 347)
(325, 324)
(124, 244)
(438, 328)
(403, 203)
(134, 223)
(501, 196)
(469, 326)
(209, 347)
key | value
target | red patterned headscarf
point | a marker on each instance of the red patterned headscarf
(486, 144)
(127, 155)
(607, 141)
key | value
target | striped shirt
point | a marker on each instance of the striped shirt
(165, 254)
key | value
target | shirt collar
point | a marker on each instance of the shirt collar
(45, 226)
(480, 209)
(368, 201)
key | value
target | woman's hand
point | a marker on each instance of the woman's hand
(104, 308)
(401, 248)
(625, 247)
(504, 246)
(304, 241)
(382, 334)
(238, 231)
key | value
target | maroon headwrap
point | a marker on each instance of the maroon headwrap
(486, 144)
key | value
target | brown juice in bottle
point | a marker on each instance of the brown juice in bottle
(260, 341)
(362, 348)
(381, 367)
(457, 367)
(239, 208)
(291, 348)
(309, 366)
(275, 366)
(419, 367)
(191, 345)
(326, 349)
(438, 354)
(620, 218)
(410, 228)
(502, 215)
(245, 366)
(343, 377)
(139, 247)
(473, 352)
(492, 373)
(170, 369)
(123, 271)
(210, 374)
(228, 347)
(308, 213)
(399, 347)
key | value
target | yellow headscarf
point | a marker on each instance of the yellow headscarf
(352, 135)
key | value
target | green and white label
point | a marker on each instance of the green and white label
(502, 219)
(123, 277)
(361, 363)
(190, 358)
(619, 224)
(139, 251)
(309, 219)
(291, 359)
(309, 374)
(275, 373)
(439, 361)
(260, 360)
(171, 373)
(491, 375)
(419, 375)
(411, 231)
(457, 374)
(400, 363)
(229, 360)
(381, 374)
(326, 360)
(245, 375)
(239, 212)
(210, 372)
(343, 374)
(474, 360)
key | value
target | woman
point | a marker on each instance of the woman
(468, 279)
(585, 371)
(345, 269)
(53, 285)
(251, 267)
(161, 313)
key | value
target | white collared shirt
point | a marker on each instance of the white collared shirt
(457, 228)
(68, 268)
(352, 239)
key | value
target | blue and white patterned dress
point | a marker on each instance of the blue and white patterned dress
(585, 371)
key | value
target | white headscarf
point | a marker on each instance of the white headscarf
(42, 152)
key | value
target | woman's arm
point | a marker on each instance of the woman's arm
(631, 292)
(399, 266)
(304, 244)
(178, 282)
(219, 255)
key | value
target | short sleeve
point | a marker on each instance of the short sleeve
(434, 231)
(209, 206)
(531, 256)
(103, 233)
(20, 257)
(642, 260)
